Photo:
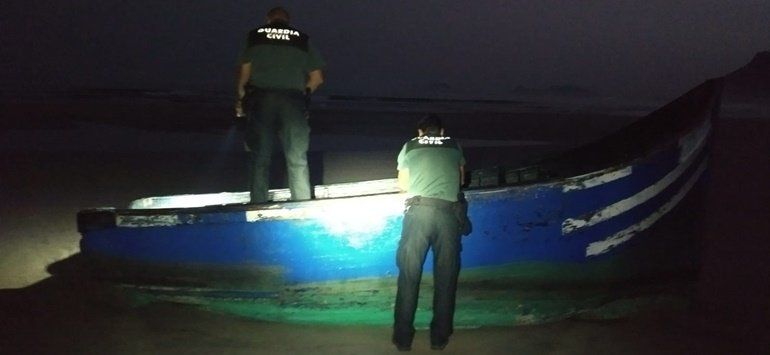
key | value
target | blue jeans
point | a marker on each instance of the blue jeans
(427, 227)
(282, 114)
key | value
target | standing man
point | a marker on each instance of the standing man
(431, 168)
(279, 69)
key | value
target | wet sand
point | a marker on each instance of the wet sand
(46, 308)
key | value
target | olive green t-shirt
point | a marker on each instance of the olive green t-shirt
(434, 166)
(281, 57)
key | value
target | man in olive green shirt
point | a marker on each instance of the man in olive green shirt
(279, 69)
(431, 168)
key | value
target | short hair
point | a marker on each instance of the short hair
(278, 14)
(430, 124)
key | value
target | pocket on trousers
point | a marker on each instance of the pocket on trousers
(465, 227)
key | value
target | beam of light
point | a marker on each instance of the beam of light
(216, 165)
(229, 141)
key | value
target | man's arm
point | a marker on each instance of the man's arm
(242, 77)
(403, 179)
(314, 79)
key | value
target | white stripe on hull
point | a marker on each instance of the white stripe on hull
(690, 144)
(147, 221)
(600, 247)
(590, 180)
(572, 224)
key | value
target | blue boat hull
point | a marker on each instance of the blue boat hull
(577, 222)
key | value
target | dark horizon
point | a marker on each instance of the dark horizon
(397, 49)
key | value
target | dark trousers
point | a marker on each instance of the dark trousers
(282, 114)
(427, 227)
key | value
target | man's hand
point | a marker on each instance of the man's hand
(239, 109)
(314, 79)
(240, 121)
(242, 78)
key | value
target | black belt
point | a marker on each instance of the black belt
(459, 209)
(253, 90)
(428, 201)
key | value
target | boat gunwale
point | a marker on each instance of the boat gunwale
(273, 205)
(665, 142)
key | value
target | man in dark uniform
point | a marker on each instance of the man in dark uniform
(279, 69)
(431, 168)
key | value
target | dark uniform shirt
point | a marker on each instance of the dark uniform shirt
(281, 57)
(434, 166)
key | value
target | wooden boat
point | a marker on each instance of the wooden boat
(547, 239)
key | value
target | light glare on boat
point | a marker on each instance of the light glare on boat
(361, 220)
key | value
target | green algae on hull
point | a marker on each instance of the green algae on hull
(522, 293)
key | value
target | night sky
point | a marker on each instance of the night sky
(479, 49)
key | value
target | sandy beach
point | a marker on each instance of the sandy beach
(60, 156)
